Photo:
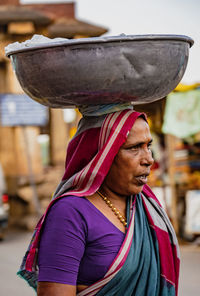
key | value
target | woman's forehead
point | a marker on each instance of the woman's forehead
(139, 131)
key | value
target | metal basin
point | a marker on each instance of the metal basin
(134, 68)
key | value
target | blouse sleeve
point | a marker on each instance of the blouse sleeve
(62, 244)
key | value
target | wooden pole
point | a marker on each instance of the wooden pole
(170, 143)
(36, 201)
(58, 137)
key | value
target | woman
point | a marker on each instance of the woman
(105, 233)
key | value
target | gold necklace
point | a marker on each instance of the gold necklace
(114, 209)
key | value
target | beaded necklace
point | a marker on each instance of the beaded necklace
(113, 208)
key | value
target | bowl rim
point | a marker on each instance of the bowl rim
(97, 40)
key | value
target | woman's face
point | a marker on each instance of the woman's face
(132, 164)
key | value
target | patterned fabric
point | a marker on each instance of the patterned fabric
(89, 158)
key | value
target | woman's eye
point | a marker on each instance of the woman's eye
(135, 147)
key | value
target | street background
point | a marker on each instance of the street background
(113, 17)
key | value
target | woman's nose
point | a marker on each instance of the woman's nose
(147, 158)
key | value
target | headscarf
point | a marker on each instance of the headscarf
(92, 150)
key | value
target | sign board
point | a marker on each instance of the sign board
(21, 110)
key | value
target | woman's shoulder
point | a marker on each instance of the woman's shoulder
(70, 212)
(70, 201)
(69, 205)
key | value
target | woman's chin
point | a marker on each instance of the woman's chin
(135, 190)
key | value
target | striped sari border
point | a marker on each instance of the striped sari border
(101, 159)
(103, 130)
(108, 122)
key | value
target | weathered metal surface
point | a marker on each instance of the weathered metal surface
(138, 69)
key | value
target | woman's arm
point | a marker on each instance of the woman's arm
(55, 289)
(61, 249)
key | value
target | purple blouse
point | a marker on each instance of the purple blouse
(78, 243)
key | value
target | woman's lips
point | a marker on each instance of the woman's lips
(142, 180)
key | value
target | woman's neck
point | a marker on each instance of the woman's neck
(113, 196)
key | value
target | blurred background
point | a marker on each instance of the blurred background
(33, 138)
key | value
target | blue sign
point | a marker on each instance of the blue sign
(20, 109)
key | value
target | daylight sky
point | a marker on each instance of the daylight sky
(180, 17)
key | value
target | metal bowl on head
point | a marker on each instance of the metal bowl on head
(89, 71)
